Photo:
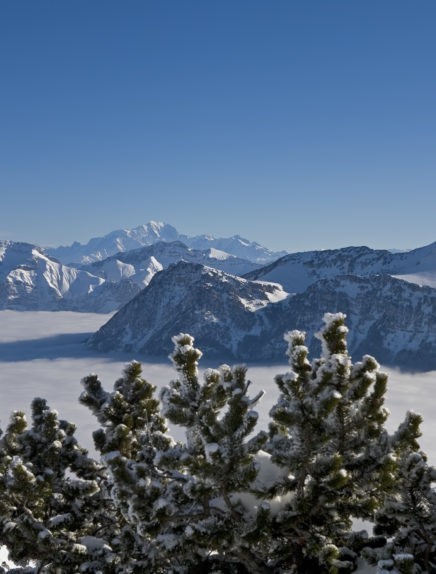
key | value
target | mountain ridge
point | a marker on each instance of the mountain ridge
(296, 271)
(99, 248)
(390, 298)
(388, 317)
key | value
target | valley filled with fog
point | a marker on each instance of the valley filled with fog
(43, 354)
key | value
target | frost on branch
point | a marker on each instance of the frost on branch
(50, 492)
(328, 432)
(217, 462)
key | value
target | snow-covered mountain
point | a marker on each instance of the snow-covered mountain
(390, 298)
(141, 264)
(218, 308)
(236, 245)
(389, 318)
(122, 240)
(31, 280)
(236, 319)
(299, 270)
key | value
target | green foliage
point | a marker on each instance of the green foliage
(226, 498)
(327, 431)
(217, 462)
(49, 494)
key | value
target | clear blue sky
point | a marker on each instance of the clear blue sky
(301, 124)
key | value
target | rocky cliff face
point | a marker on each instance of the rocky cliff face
(219, 309)
(299, 270)
(392, 319)
(31, 280)
(233, 319)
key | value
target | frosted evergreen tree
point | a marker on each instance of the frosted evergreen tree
(201, 505)
(408, 516)
(51, 506)
(132, 433)
(207, 527)
(328, 432)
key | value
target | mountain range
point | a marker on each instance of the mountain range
(296, 271)
(242, 320)
(30, 279)
(122, 240)
(236, 308)
(139, 265)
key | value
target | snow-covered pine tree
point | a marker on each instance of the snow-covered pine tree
(132, 433)
(408, 515)
(198, 505)
(328, 432)
(51, 508)
(207, 526)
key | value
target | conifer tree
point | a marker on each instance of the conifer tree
(408, 515)
(208, 525)
(198, 505)
(328, 432)
(50, 499)
(132, 433)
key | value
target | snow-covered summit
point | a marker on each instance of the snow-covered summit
(139, 265)
(297, 271)
(237, 319)
(119, 240)
(122, 240)
(29, 279)
(218, 308)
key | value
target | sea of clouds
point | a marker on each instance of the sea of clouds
(43, 354)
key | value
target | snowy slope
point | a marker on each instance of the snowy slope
(218, 308)
(122, 240)
(299, 270)
(141, 264)
(31, 280)
(418, 266)
(244, 320)
(391, 319)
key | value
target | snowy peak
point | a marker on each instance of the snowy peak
(218, 308)
(122, 240)
(141, 264)
(236, 245)
(19, 255)
(151, 232)
(299, 270)
(236, 319)
(29, 279)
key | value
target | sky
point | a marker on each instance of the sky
(300, 125)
